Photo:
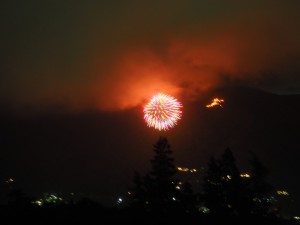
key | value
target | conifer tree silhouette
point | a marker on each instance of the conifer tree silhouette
(157, 190)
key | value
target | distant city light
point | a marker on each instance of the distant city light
(256, 200)
(296, 217)
(52, 198)
(9, 180)
(227, 177)
(185, 169)
(245, 175)
(204, 210)
(269, 199)
(38, 202)
(119, 201)
(47, 198)
(280, 192)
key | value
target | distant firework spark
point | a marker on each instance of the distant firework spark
(215, 102)
(162, 112)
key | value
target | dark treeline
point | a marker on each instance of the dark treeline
(226, 193)
(160, 197)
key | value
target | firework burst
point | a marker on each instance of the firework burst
(162, 112)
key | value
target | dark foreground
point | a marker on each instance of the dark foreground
(101, 215)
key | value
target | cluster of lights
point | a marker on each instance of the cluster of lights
(204, 210)
(48, 199)
(245, 175)
(227, 177)
(178, 186)
(38, 202)
(185, 169)
(119, 201)
(256, 200)
(10, 180)
(268, 199)
(282, 193)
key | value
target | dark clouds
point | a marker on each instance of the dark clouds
(112, 55)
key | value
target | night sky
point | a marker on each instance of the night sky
(74, 76)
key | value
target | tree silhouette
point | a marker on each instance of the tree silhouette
(212, 188)
(225, 192)
(19, 198)
(223, 188)
(157, 190)
(136, 194)
(259, 188)
(188, 198)
(234, 189)
(161, 184)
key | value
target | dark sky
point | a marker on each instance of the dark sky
(74, 76)
(115, 54)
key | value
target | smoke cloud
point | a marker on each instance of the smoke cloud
(116, 56)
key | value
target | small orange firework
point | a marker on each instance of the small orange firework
(162, 112)
(215, 102)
